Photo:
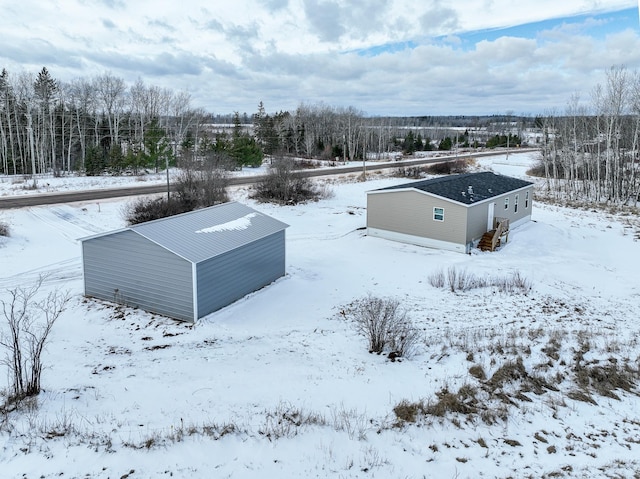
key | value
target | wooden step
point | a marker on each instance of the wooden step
(485, 242)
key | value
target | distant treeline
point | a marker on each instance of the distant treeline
(102, 125)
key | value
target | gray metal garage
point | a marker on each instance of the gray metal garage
(189, 265)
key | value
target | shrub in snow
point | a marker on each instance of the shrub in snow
(144, 209)
(283, 184)
(27, 324)
(462, 280)
(4, 229)
(197, 186)
(385, 324)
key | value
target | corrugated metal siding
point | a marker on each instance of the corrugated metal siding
(230, 276)
(183, 234)
(411, 212)
(125, 267)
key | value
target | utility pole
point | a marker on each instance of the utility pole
(508, 131)
(166, 162)
(166, 159)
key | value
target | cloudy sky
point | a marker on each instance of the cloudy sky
(383, 57)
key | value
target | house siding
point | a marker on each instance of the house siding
(477, 220)
(228, 277)
(124, 267)
(411, 213)
(478, 213)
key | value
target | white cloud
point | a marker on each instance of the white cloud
(231, 55)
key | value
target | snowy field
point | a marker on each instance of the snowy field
(280, 385)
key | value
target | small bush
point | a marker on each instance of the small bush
(413, 172)
(477, 372)
(406, 411)
(606, 378)
(145, 209)
(448, 167)
(462, 402)
(28, 321)
(437, 279)
(385, 325)
(537, 170)
(354, 423)
(197, 186)
(461, 280)
(4, 229)
(286, 420)
(201, 187)
(283, 185)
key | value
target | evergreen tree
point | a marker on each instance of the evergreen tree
(246, 152)
(45, 87)
(265, 131)
(94, 162)
(156, 144)
(243, 149)
(45, 90)
(428, 146)
(409, 144)
(445, 144)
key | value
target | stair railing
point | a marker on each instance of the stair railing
(502, 228)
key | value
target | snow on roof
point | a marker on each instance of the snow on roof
(239, 224)
(228, 226)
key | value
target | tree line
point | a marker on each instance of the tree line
(102, 125)
(590, 151)
(97, 125)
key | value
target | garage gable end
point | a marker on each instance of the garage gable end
(128, 269)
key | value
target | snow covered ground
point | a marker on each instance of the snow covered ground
(280, 384)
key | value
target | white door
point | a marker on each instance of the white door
(490, 216)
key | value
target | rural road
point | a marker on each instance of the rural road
(21, 201)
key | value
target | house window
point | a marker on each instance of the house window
(438, 214)
(526, 200)
(515, 204)
(506, 203)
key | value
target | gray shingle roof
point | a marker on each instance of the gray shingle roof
(208, 232)
(468, 188)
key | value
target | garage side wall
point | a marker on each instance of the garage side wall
(126, 268)
(230, 276)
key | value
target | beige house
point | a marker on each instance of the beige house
(450, 212)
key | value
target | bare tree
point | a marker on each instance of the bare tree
(111, 92)
(83, 103)
(28, 322)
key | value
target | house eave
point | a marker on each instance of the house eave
(449, 200)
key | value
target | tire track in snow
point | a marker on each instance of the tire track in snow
(73, 219)
(62, 221)
(54, 273)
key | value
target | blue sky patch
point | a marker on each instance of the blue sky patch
(376, 50)
(597, 26)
